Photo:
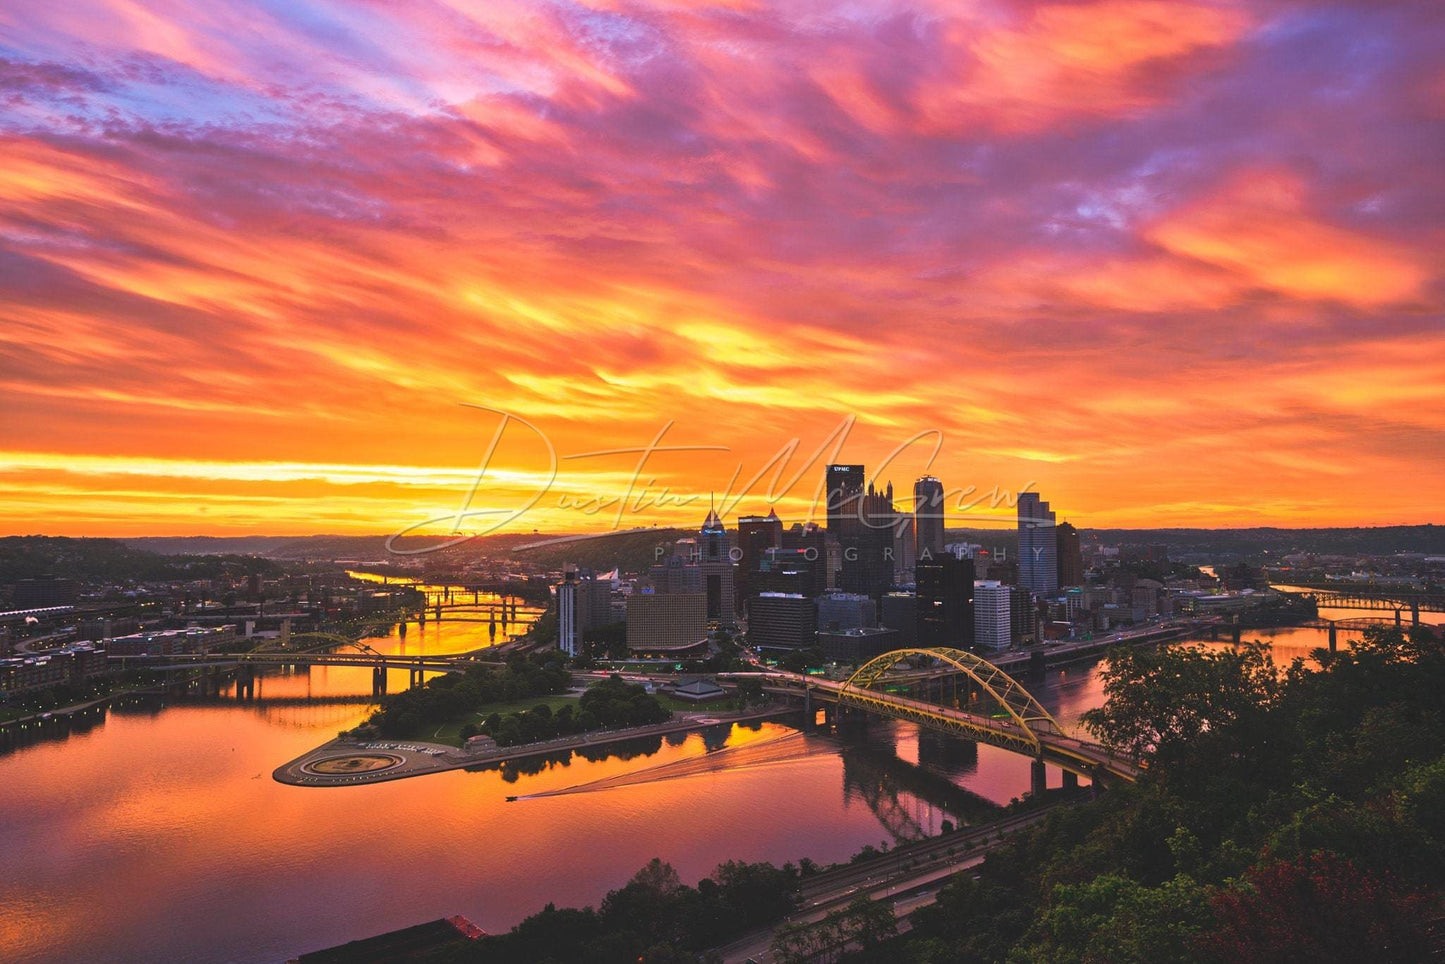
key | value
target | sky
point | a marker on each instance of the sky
(285, 267)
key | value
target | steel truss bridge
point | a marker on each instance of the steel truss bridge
(990, 707)
(1389, 600)
(246, 664)
(430, 664)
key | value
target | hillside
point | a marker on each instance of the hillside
(635, 549)
(111, 560)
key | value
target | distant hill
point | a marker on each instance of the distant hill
(631, 551)
(628, 551)
(635, 550)
(1378, 541)
(111, 560)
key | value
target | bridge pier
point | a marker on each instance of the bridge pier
(1071, 780)
(1334, 637)
(416, 679)
(1415, 615)
(1037, 663)
(245, 683)
(1039, 775)
(378, 681)
(1236, 633)
(1398, 621)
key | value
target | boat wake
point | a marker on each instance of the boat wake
(772, 752)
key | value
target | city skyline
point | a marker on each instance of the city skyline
(618, 481)
(1176, 264)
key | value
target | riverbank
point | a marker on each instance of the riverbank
(343, 762)
(41, 717)
(1062, 652)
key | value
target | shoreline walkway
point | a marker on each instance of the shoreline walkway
(344, 763)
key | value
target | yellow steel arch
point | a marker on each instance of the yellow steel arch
(1025, 713)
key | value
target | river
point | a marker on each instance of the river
(158, 832)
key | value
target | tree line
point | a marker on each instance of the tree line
(609, 704)
(1286, 815)
(457, 694)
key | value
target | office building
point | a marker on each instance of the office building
(660, 623)
(1038, 545)
(1023, 615)
(865, 534)
(945, 602)
(900, 613)
(569, 631)
(845, 610)
(904, 552)
(1070, 555)
(785, 571)
(819, 551)
(756, 533)
(715, 570)
(584, 602)
(843, 491)
(992, 622)
(172, 642)
(856, 645)
(68, 665)
(927, 517)
(679, 571)
(781, 621)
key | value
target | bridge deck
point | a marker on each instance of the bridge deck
(1067, 752)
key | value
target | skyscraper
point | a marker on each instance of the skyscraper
(845, 610)
(1038, 546)
(1070, 556)
(569, 629)
(869, 567)
(844, 491)
(862, 523)
(927, 517)
(756, 534)
(945, 602)
(715, 565)
(818, 551)
(657, 622)
(584, 602)
(992, 626)
(782, 621)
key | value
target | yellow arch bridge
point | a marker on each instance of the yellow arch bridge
(956, 692)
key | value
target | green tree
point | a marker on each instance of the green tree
(1115, 920)
(1161, 700)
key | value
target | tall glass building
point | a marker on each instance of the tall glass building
(1038, 545)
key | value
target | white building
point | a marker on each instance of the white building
(569, 633)
(991, 617)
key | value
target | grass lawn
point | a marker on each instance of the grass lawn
(451, 732)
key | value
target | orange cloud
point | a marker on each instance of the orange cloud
(1102, 59)
(258, 271)
(1260, 228)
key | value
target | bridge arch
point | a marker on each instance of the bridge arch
(1026, 713)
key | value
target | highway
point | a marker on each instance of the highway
(884, 878)
(1035, 738)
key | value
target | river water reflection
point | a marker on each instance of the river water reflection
(159, 833)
